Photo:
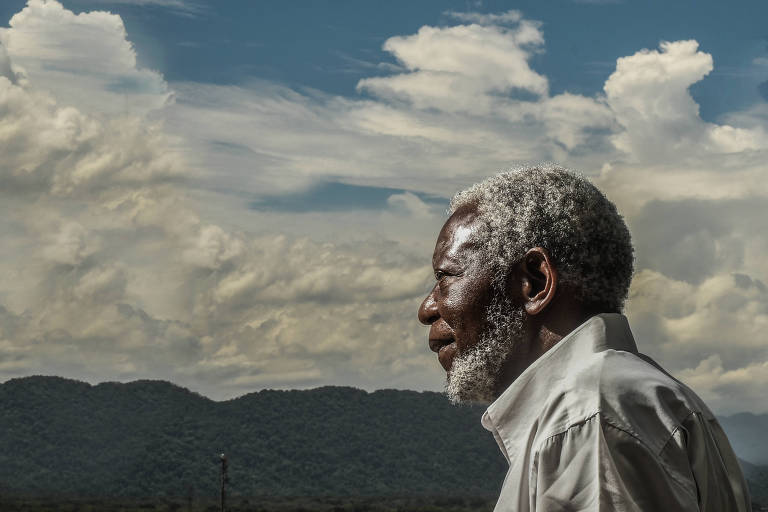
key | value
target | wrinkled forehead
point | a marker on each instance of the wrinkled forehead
(460, 236)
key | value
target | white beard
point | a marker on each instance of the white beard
(474, 374)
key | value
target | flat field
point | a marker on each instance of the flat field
(255, 504)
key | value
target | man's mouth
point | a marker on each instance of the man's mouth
(443, 343)
(446, 354)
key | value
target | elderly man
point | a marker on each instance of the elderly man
(532, 268)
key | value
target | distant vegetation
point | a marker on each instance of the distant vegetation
(62, 437)
(152, 438)
(255, 504)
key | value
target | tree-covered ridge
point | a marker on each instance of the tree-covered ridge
(153, 438)
(149, 438)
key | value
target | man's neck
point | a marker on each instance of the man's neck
(544, 332)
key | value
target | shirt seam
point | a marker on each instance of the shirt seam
(588, 417)
(614, 424)
(670, 471)
(677, 428)
(624, 428)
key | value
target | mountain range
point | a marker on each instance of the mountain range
(153, 438)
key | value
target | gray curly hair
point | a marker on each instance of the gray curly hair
(555, 208)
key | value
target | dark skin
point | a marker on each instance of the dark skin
(456, 307)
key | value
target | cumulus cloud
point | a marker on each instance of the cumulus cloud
(649, 96)
(6, 70)
(700, 301)
(669, 233)
(99, 153)
(71, 188)
(410, 204)
(729, 390)
(461, 68)
(710, 335)
(55, 49)
(71, 244)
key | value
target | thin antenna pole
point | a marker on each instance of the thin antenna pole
(224, 480)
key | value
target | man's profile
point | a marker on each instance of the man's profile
(532, 269)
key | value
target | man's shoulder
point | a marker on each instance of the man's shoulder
(626, 390)
(642, 398)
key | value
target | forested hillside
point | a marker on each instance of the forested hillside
(152, 438)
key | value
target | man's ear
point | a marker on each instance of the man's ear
(538, 279)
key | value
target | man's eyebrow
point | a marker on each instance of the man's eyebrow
(457, 258)
(445, 258)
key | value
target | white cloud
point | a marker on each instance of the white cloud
(461, 68)
(99, 153)
(84, 60)
(5, 66)
(710, 335)
(410, 204)
(729, 391)
(649, 96)
(212, 248)
(667, 152)
(511, 16)
(71, 244)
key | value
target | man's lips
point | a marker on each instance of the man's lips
(443, 342)
(446, 350)
(445, 355)
(438, 342)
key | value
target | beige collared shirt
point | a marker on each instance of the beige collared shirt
(593, 425)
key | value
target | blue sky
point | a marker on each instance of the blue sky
(329, 45)
(237, 195)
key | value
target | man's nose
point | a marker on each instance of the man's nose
(428, 310)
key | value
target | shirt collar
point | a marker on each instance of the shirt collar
(512, 414)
